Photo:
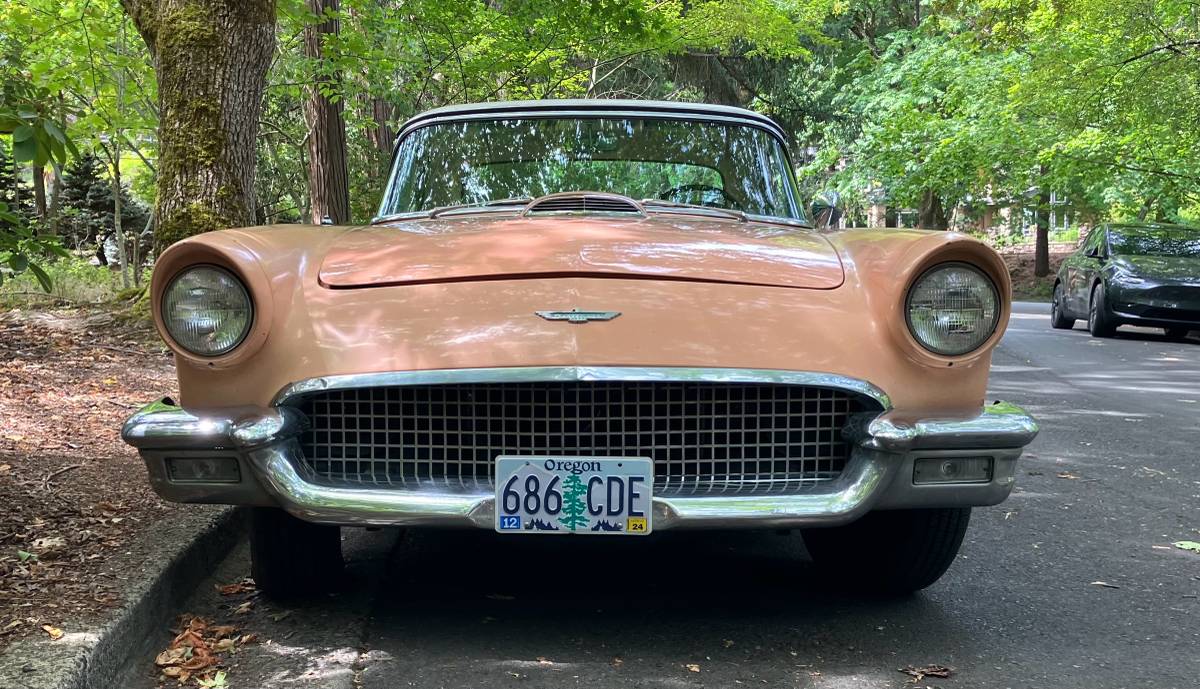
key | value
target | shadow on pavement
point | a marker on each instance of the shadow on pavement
(740, 606)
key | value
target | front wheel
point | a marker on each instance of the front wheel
(891, 552)
(290, 557)
(1058, 315)
(1100, 323)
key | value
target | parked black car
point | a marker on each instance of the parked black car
(1146, 275)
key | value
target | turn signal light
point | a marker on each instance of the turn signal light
(928, 470)
(203, 470)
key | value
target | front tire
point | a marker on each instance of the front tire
(1176, 334)
(891, 552)
(1058, 315)
(292, 558)
(1100, 323)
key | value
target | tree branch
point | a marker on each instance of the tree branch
(1175, 47)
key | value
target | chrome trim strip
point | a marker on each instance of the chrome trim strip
(998, 425)
(592, 108)
(838, 502)
(519, 374)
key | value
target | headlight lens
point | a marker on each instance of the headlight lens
(207, 310)
(953, 309)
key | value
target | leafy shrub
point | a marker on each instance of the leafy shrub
(71, 278)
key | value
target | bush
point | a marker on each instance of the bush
(73, 279)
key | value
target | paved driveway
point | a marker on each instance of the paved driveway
(1111, 482)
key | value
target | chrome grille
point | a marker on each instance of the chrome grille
(703, 437)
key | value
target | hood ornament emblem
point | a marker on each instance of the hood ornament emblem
(577, 316)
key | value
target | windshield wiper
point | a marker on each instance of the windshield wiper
(435, 212)
(707, 210)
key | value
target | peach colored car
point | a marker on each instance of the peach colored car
(591, 318)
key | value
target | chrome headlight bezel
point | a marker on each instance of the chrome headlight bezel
(985, 335)
(238, 296)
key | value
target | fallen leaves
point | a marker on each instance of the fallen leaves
(48, 548)
(196, 652)
(692, 667)
(1067, 475)
(54, 632)
(64, 553)
(1191, 546)
(246, 585)
(920, 673)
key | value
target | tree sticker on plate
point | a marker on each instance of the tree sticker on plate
(574, 495)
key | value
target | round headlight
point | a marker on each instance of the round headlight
(953, 309)
(207, 310)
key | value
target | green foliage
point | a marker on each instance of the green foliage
(15, 194)
(21, 250)
(36, 138)
(72, 279)
(990, 101)
(395, 59)
(87, 204)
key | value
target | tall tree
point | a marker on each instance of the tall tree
(328, 177)
(211, 59)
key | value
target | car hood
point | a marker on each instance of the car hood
(660, 247)
(1182, 268)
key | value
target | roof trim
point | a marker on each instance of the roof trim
(593, 108)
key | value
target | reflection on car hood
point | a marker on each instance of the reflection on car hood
(661, 246)
(1182, 268)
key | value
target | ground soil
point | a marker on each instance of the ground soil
(75, 506)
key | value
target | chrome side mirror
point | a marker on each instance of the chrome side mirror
(824, 209)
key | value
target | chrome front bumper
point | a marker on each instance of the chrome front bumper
(879, 474)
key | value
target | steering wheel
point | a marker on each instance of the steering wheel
(670, 194)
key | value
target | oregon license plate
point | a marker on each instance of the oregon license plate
(583, 495)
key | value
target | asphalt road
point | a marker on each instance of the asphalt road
(1109, 484)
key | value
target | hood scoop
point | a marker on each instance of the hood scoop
(584, 202)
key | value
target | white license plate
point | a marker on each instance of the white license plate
(582, 495)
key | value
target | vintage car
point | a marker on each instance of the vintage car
(1141, 275)
(587, 318)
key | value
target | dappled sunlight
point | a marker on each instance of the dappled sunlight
(306, 666)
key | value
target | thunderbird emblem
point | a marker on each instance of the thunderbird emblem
(577, 316)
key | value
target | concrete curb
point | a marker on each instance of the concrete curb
(97, 658)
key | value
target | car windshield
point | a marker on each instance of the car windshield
(1155, 241)
(475, 162)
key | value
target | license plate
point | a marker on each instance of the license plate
(582, 495)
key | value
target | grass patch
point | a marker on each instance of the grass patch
(74, 281)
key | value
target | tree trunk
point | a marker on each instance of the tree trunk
(55, 197)
(1145, 210)
(211, 59)
(118, 230)
(328, 179)
(931, 215)
(39, 192)
(381, 134)
(1041, 246)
